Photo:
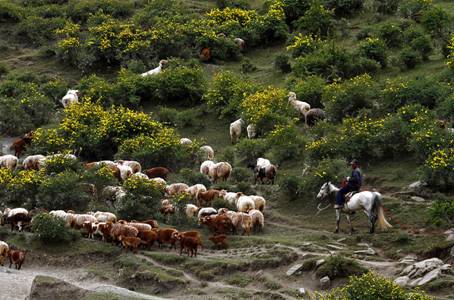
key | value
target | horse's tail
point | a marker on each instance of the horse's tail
(382, 223)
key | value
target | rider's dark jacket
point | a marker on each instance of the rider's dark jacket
(355, 180)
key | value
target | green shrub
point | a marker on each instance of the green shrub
(59, 163)
(3, 69)
(50, 229)
(80, 11)
(286, 142)
(294, 9)
(232, 3)
(282, 63)
(409, 57)
(392, 34)
(249, 150)
(347, 98)
(339, 267)
(62, 191)
(413, 9)
(316, 20)
(344, 8)
(310, 90)
(387, 7)
(435, 20)
(369, 287)
(191, 177)
(247, 66)
(40, 30)
(189, 118)
(375, 49)
(10, 12)
(291, 186)
(442, 213)
(423, 45)
(226, 92)
(241, 175)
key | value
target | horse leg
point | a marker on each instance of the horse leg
(372, 219)
(338, 212)
(349, 223)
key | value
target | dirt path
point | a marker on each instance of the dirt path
(16, 285)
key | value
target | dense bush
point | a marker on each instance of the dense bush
(375, 49)
(19, 189)
(291, 186)
(294, 9)
(442, 212)
(344, 8)
(241, 175)
(226, 93)
(391, 33)
(249, 150)
(10, 12)
(310, 90)
(40, 30)
(301, 44)
(317, 20)
(80, 11)
(286, 142)
(282, 63)
(59, 163)
(435, 20)
(232, 3)
(413, 9)
(369, 287)
(191, 177)
(409, 57)
(439, 170)
(339, 267)
(189, 118)
(50, 229)
(388, 7)
(418, 41)
(348, 98)
(62, 191)
(267, 108)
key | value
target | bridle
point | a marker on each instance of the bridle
(327, 192)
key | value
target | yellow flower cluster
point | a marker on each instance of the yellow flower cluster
(451, 54)
(24, 179)
(264, 103)
(442, 159)
(231, 14)
(304, 43)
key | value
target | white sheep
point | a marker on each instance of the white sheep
(176, 188)
(104, 216)
(206, 166)
(259, 202)
(134, 165)
(9, 162)
(258, 220)
(208, 151)
(299, 106)
(185, 141)
(251, 131)
(231, 197)
(206, 211)
(220, 171)
(263, 162)
(71, 97)
(106, 163)
(125, 171)
(191, 210)
(61, 214)
(245, 204)
(235, 130)
(32, 162)
(240, 43)
(196, 189)
(139, 175)
(157, 70)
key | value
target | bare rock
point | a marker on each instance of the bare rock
(302, 291)
(418, 199)
(417, 185)
(432, 275)
(450, 237)
(325, 283)
(50, 288)
(402, 281)
(368, 251)
(409, 259)
(335, 247)
(452, 252)
(294, 269)
(319, 262)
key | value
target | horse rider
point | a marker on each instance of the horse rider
(353, 184)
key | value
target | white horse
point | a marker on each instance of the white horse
(369, 202)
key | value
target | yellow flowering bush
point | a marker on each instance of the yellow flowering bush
(20, 188)
(450, 62)
(267, 108)
(303, 44)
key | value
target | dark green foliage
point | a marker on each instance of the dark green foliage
(294, 9)
(435, 20)
(413, 9)
(409, 57)
(339, 267)
(247, 66)
(189, 118)
(281, 62)
(191, 177)
(63, 191)
(345, 8)
(316, 20)
(142, 202)
(374, 49)
(10, 12)
(391, 33)
(291, 186)
(387, 7)
(50, 229)
(3, 69)
(241, 175)
(442, 212)
(249, 150)
(80, 10)
(310, 90)
(40, 30)
(232, 3)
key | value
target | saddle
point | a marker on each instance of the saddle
(348, 196)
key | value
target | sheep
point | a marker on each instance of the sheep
(231, 197)
(185, 141)
(191, 210)
(20, 144)
(258, 221)
(240, 43)
(18, 217)
(32, 162)
(196, 189)
(208, 152)
(259, 202)
(268, 172)
(241, 220)
(157, 172)
(159, 181)
(263, 162)
(103, 216)
(206, 211)
(251, 131)
(125, 172)
(4, 250)
(206, 166)
(312, 116)
(167, 209)
(176, 188)
(235, 130)
(245, 204)
(61, 214)
(157, 70)
(219, 241)
(9, 162)
(300, 106)
(71, 97)
(220, 171)
(113, 193)
(134, 165)
(105, 163)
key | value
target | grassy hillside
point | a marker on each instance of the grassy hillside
(379, 69)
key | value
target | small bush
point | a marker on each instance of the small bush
(50, 229)
(409, 57)
(391, 33)
(3, 69)
(316, 20)
(339, 267)
(435, 20)
(189, 118)
(232, 3)
(291, 185)
(374, 48)
(10, 12)
(413, 9)
(247, 66)
(241, 175)
(281, 63)
(369, 287)
(194, 177)
(387, 7)
(310, 90)
(344, 8)
(286, 143)
(249, 150)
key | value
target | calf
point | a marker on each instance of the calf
(17, 258)
(4, 250)
(148, 237)
(194, 234)
(219, 241)
(206, 198)
(165, 236)
(157, 172)
(90, 229)
(130, 242)
(218, 223)
(190, 244)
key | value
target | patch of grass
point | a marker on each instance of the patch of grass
(339, 267)
(105, 296)
(446, 283)
(239, 279)
(273, 258)
(166, 258)
(271, 284)
(209, 268)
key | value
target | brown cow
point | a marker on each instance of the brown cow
(205, 54)
(117, 230)
(204, 199)
(148, 237)
(190, 244)
(219, 241)
(90, 229)
(194, 234)
(157, 172)
(16, 257)
(218, 223)
(130, 242)
(165, 236)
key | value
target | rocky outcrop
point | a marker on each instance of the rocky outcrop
(50, 288)
(423, 272)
